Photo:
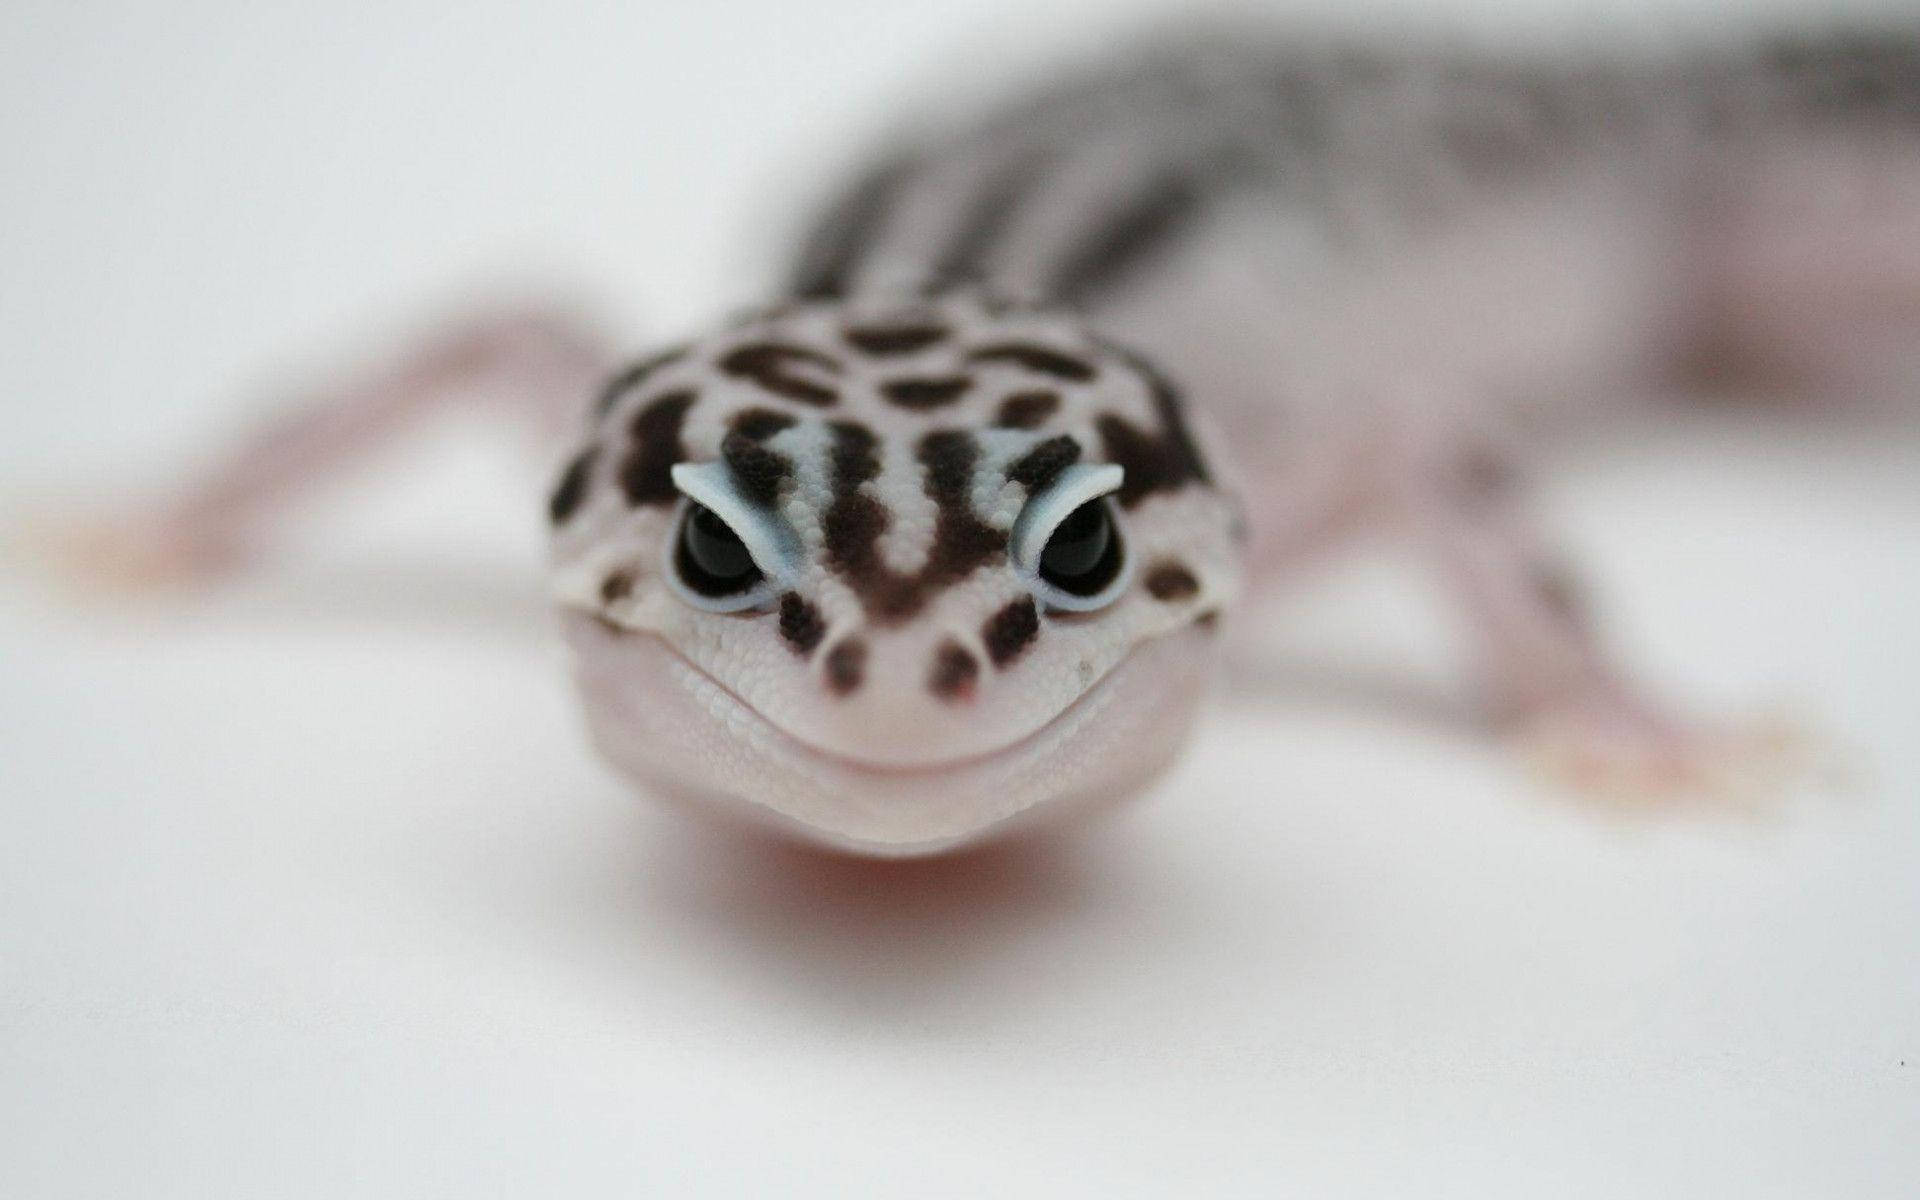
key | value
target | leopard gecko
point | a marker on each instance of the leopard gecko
(945, 539)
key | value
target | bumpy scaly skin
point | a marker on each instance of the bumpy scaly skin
(897, 440)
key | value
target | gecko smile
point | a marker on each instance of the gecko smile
(674, 726)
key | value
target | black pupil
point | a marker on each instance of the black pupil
(1082, 555)
(711, 558)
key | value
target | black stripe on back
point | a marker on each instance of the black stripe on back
(1128, 236)
(986, 219)
(835, 249)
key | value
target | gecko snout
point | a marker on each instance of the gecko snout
(911, 696)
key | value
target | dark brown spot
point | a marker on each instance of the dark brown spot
(646, 477)
(923, 394)
(881, 340)
(1040, 466)
(616, 586)
(633, 376)
(757, 471)
(775, 366)
(1170, 581)
(1042, 359)
(1027, 410)
(1011, 630)
(1163, 461)
(955, 672)
(846, 666)
(801, 624)
(761, 423)
(572, 488)
(1151, 463)
(1208, 621)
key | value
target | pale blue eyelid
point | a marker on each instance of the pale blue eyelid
(775, 547)
(1070, 489)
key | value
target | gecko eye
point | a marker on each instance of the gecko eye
(1082, 555)
(1067, 542)
(712, 567)
(728, 554)
(713, 559)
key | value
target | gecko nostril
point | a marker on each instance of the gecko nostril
(617, 586)
(1171, 581)
(846, 666)
(955, 672)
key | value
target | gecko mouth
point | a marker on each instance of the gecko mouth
(665, 721)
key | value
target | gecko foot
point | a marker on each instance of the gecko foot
(108, 555)
(1632, 759)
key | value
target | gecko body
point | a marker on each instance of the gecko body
(944, 540)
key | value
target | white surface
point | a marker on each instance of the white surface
(312, 888)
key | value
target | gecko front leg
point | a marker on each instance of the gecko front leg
(541, 364)
(1548, 675)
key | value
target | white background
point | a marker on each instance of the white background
(311, 887)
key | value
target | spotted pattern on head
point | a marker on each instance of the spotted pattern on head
(854, 525)
(780, 369)
(892, 443)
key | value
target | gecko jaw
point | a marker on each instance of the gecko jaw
(665, 721)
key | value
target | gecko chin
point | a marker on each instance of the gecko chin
(676, 729)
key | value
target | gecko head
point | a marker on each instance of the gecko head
(894, 570)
